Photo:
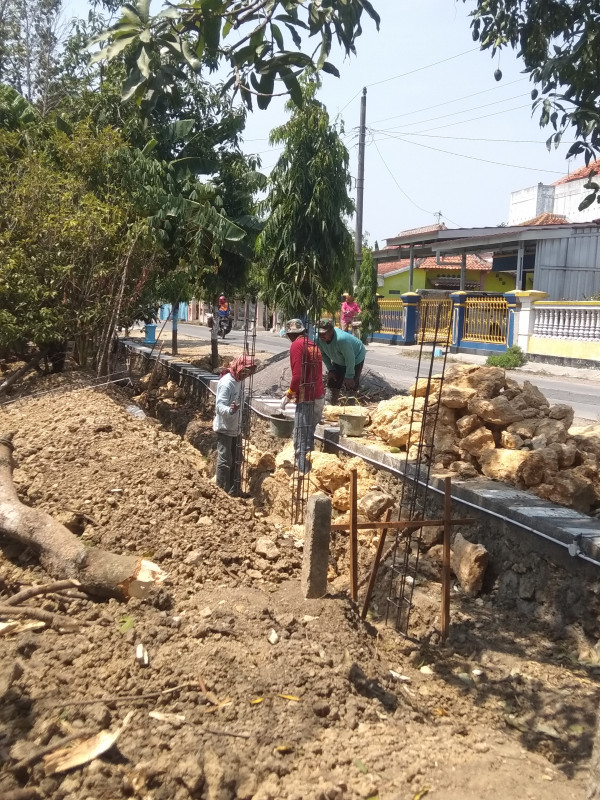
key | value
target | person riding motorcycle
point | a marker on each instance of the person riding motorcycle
(225, 321)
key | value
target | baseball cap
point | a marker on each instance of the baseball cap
(325, 324)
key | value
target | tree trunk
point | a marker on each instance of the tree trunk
(31, 364)
(175, 317)
(214, 339)
(64, 555)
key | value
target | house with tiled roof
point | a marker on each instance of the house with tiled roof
(438, 273)
(561, 198)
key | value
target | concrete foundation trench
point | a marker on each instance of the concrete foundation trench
(543, 560)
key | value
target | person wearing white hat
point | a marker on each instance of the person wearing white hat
(306, 390)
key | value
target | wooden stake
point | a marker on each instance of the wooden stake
(353, 537)
(446, 559)
(376, 561)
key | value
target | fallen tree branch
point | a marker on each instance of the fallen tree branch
(34, 591)
(120, 698)
(53, 620)
(62, 554)
(49, 748)
(31, 364)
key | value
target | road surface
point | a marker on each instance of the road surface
(583, 395)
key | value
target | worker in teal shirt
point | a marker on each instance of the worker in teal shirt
(344, 357)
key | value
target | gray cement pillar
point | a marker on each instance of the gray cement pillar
(317, 532)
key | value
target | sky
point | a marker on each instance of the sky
(443, 136)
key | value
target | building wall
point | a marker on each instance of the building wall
(567, 198)
(526, 204)
(529, 203)
(569, 268)
(492, 281)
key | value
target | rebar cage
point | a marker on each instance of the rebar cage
(414, 492)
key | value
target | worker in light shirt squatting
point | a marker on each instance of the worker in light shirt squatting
(344, 357)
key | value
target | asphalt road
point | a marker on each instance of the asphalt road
(583, 395)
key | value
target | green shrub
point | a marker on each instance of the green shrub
(513, 358)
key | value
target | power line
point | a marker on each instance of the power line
(410, 72)
(450, 102)
(420, 69)
(452, 124)
(408, 197)
(454, 113)
(471, 138)
(471, 158)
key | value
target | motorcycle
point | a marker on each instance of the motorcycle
(225, 324)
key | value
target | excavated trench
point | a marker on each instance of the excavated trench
(530, 571)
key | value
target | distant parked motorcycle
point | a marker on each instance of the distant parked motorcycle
(225, 324)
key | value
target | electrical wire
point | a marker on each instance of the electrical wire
(420, 69)
(449, 102)
(472, 158)
(477, 138)
(416, 205)
(404, 74)
(456, 113)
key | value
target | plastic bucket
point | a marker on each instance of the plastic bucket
(282, 427)
(351, 424)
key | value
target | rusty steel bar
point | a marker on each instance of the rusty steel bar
(445, 625)
(413, 524)
(353, 537)
(376, 560)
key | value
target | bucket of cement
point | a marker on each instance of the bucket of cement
(281, 426)
(351, 424)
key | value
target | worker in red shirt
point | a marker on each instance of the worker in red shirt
(306, 390)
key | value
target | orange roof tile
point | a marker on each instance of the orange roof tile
(593, 166)
(474, 263)
(425, 229)
(546, 219)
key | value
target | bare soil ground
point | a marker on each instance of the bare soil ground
(504, 710)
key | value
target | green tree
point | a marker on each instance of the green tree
(366, 296)
(30, 33)
(260, 41)
(74, 255)
(306, 248)
(559, 43)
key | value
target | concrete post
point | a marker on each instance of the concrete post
(411, 301)
(317, 532)
(458, 317)
(526, 316)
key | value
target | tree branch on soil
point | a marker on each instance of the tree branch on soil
(53, 620)
(12, 379)
(62, 554)
(34, 591)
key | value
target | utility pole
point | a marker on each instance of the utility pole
(360, 183)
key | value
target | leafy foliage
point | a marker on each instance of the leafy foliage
(29, 49)
(559, 42)
(514, 357)
(366, 296)
(259, 40)
(71, 247)
(306, 247)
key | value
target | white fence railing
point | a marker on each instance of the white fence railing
(575, 321)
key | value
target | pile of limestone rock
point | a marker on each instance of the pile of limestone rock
(490, 425)
(273, 483)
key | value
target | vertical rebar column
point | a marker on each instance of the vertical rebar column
(241, 481)
(415, 485)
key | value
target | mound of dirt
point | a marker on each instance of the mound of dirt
(250, 691)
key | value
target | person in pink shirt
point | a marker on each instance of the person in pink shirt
(350, 309)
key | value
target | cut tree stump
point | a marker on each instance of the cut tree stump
(64, 555)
